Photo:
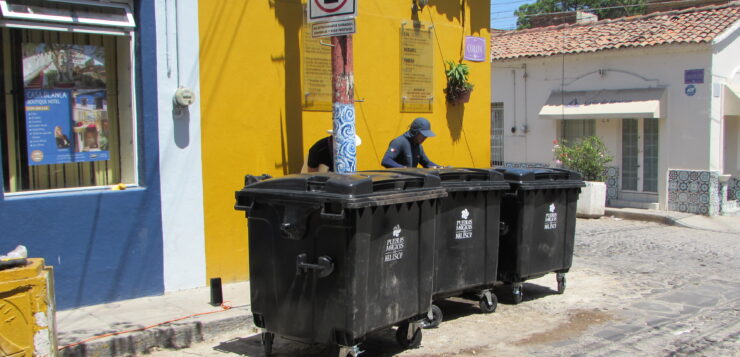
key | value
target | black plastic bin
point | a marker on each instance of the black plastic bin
(539, 219)
(333, 257)
(466, 248)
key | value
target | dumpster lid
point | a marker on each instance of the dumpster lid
(540, 177)
(462, 178)
(353, 190)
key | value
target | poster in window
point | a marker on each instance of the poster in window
(417, 68)
(65, 103)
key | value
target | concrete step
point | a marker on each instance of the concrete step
(633, 204)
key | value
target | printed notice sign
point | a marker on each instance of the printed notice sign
(417, 69)
(316, 73)
(336, 28)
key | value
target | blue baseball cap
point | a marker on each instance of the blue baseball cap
(422, 126)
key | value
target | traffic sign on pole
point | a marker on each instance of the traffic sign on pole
(331, 10)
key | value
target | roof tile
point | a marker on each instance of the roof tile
(695, 25)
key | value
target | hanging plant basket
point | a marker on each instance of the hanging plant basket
(458, 88)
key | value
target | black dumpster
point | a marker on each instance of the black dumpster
(466, 248)
(538, 216)
(333, 257)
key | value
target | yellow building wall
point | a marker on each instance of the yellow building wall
(253, 122)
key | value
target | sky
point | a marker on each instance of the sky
(502, 13)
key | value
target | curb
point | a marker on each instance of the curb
(173, 336)
(644, 216)
(655, 217)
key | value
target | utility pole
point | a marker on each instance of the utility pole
(343, 93)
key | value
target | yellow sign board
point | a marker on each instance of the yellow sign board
(316, 73)
(417, 68)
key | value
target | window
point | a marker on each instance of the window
(83, 12)
(630, 153)
(497, 134)
(67, 119)
(650, 161)
(575, 129)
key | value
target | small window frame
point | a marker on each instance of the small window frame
(128, 24)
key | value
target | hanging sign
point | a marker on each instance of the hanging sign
(331, 10)
(475, 49)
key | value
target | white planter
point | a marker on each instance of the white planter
(592, 200)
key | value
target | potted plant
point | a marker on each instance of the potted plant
(589, 157)
(458, 88)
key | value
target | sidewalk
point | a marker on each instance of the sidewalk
(725, 224)
(78, 325)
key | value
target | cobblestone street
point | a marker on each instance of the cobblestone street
(635, 288)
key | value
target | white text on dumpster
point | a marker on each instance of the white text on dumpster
(394, 246)
(464, 226)
(551, 218)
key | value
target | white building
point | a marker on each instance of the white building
(661, 90)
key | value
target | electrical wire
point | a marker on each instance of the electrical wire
(589, 9)
(224, 307)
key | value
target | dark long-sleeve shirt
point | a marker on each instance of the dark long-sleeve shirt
(404, 152)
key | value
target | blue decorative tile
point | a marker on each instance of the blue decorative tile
(694, 191)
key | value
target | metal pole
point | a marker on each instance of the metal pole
(343, 93)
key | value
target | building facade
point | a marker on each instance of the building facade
(100, 170)
(660, 90)
(129, 192)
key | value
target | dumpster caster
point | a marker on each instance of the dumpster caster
(561, 282)
(433, 318)
(487, 302)
(408, 335)
(267, 338)
(517, 292)
(349, 351)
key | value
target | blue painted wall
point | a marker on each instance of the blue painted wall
(104, 245)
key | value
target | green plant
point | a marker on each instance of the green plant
(458, 86)
(588, 156)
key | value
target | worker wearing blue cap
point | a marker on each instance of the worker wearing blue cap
(406, 150)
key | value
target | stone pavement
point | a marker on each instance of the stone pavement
(180, 319)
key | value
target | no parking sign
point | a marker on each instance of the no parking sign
(331, 10)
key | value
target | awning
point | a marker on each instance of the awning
(732, 99)
(604, 104)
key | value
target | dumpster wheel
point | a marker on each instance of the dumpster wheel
(435, 320)
(561, 282)
(267, 338)
(517, 293)
(405, 338)
(485, 306)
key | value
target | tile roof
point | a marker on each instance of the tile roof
(695, 25)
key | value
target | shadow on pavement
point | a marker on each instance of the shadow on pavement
(377, 344)
(531, 292)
